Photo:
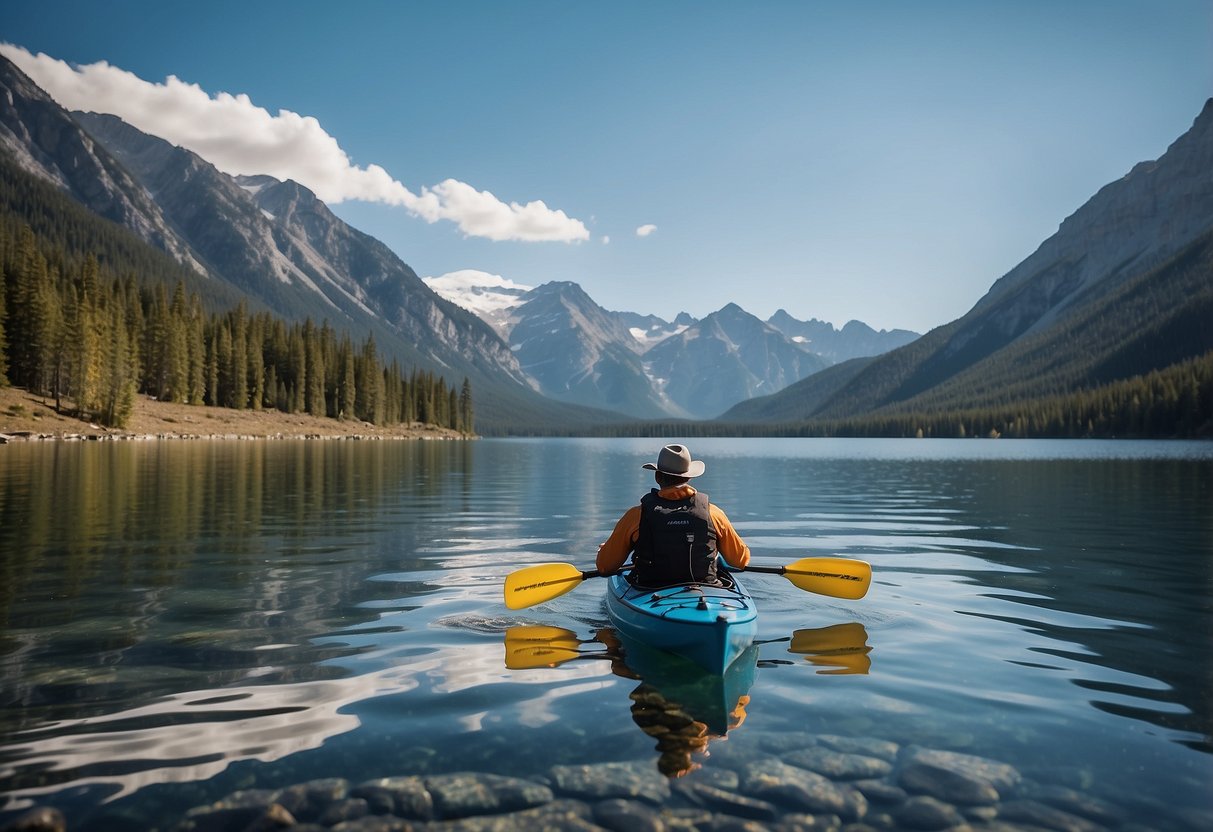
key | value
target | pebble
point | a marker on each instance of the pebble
(867, 746)
(817, 784)
(802, 790)
(955, 778)
(606, 780)
(1044, 816)
(839, 765)
(404, 797)
(40, 819)
(927, 813)
(621, 815)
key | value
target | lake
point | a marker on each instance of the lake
(181, 621)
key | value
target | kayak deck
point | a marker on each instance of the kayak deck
(710, 625)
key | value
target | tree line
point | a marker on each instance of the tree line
(93, 342)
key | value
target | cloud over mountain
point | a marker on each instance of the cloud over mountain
(238, 137)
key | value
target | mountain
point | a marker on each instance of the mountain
(272, 243)
(1122, 289)
(42, 138)
(574, 350)
(726, 358)
(578, 352)
(855, 340)
(277, 242)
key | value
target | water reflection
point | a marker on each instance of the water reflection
(678, 703)
(839, 650)
(169, 608)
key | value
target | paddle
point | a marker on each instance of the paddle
(835, 577)
(536, 584)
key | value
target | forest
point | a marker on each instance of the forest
(93, 341)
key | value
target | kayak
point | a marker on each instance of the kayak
(710, 625)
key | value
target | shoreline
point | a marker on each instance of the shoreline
(29, 418)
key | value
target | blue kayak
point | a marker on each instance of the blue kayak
(710, 625)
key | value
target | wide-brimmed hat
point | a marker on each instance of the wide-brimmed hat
(676, 461)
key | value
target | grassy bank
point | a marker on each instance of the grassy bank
(24, 415)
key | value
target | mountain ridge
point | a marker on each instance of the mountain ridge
(581, 354)
(1071, 307)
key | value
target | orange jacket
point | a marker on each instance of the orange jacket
(614, 553)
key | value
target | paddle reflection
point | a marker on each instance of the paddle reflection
(839, 650)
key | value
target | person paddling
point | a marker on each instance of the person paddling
(676, 533)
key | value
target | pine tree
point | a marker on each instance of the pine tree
(467, 420)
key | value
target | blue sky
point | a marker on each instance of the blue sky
(878, 161)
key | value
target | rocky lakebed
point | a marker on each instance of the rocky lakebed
(780, 781)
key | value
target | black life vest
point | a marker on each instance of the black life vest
(676, 543)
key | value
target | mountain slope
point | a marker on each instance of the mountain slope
(277, 241)
(1122, 288)
(42, 139)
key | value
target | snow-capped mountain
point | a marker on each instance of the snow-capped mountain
(490, 296)
(574, 350)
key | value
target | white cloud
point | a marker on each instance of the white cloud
(645, 230)
(606, 240)
(238, 137)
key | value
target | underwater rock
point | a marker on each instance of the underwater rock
(781, 742)
(468, 793)
(370, 823)
(404, 797)
(839, 765)
(867, 746)
(813, 823)
(729, 802)
(880, 791)
(801, 789)
(627, 816)
(1046, 817)
(927, 813)
(957, 778)
(220, 817)
(39, 819)
(1073, 801)
(557, 816)
(307, 801)
(351, 808)
(633, 781)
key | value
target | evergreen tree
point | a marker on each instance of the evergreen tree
(467, 420)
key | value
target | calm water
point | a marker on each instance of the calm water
(180, 620)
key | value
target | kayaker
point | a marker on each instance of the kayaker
(676, 533)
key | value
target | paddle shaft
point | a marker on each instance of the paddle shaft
(581, 576)
(783, 570)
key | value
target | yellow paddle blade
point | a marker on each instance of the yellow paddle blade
(536, 584)
(529, 635)
(836, 577)
(836, 638)
(537, 655)
(842, 648)
(538, 645)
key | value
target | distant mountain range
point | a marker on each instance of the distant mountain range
(1123, 289)
(576, 351)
